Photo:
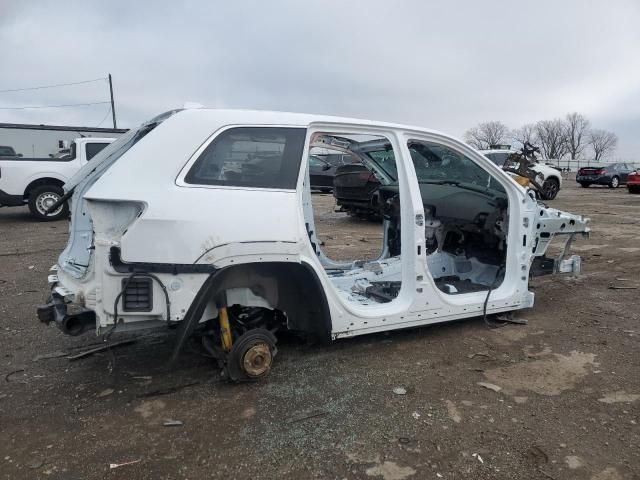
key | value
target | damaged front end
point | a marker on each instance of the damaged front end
(548, 224)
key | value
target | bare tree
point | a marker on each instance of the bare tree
(602, 143)
(525, 134)
(577, 134)
(486, 134)
(552, 138)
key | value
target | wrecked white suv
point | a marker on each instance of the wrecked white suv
(204, 220)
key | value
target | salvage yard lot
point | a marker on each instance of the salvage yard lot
(567, 404)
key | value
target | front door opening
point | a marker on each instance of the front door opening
(352, 230)
(466, 219)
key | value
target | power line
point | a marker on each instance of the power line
(51, 86)
(54, 106)
(105, 117)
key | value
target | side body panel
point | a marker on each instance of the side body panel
(175, 223)
(17, 175)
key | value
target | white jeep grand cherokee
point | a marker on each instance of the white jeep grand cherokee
(204, 220)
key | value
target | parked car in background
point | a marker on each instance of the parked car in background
(551, 176)
(612, 175)
(37, 182)
(633, 181)
(8, 152)
(356, 190)
(323, 165)
(321, 174)
(357, 185)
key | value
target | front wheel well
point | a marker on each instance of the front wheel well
(40, 182)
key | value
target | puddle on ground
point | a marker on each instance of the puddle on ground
(546, 376)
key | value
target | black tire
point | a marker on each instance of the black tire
(550, 189)
(41, 197)
(585, 184)
(633, 189)
(615, 182)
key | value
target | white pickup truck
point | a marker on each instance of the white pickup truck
(37, 182)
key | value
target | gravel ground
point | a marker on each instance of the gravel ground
(568, 405)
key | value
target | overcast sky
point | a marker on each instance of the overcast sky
(442, 65)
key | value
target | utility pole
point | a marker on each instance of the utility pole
(113, 108)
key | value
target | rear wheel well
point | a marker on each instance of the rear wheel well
(41, 182)
(292, 288)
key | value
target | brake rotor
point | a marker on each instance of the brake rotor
(257, 360)
(251, 355)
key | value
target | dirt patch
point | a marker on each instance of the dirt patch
(545, 377)
(150, 408)
(390, 471)
(454, 413)
(509, 334)
(53, 425)
(619, 397)
(574, 462)
(608, 473)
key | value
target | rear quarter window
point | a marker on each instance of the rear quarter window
(94, 148)
(262, 157)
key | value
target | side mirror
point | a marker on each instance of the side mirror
(326, 167)
(20, 155)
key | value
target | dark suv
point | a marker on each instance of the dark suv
(612, 175)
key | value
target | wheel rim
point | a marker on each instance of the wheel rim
(614, 182)
(45, 200)
(551, 190)
(257, 360)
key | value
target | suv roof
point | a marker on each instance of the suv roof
(269, 117)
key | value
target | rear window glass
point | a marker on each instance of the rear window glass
(7, 151)
(94, 148)
(263, 157)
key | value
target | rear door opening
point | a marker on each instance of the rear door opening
(364, 265)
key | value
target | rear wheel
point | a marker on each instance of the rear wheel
(615, 182)
(251, 350)
(251, 356)
(41, 198)
(585, 184)
(550, 189)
